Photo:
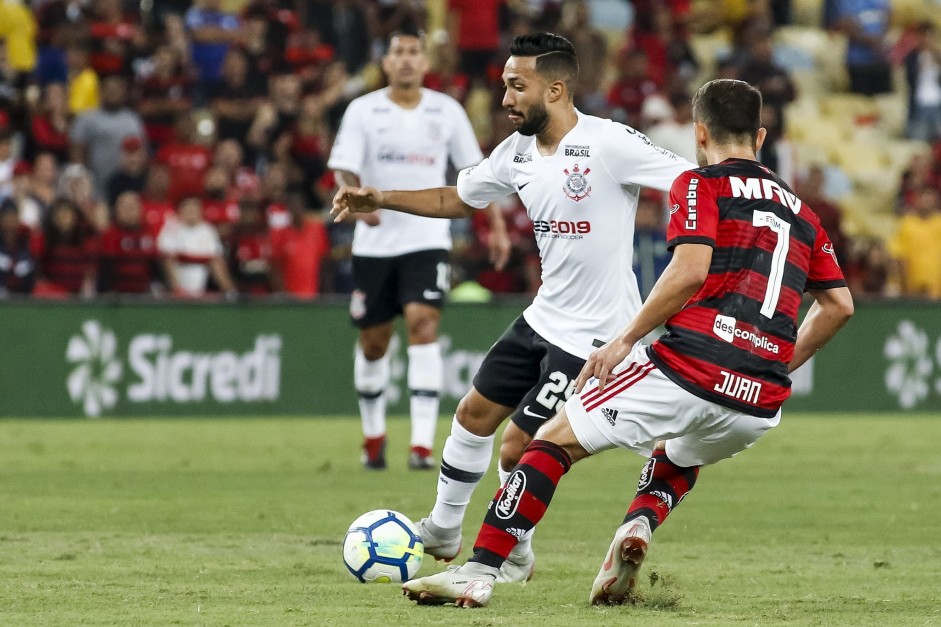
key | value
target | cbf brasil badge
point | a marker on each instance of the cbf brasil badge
(576, 185)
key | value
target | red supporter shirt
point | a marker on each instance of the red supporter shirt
(155, 213)
(187, 164)
(128, 259)
(732, 341)
(299, 253)
(479, 27)
(65, 264)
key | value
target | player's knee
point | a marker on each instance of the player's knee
(373, 349)
(423, 330)
(474, 416)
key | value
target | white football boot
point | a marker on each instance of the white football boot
(470, 585)
(619, 570)
(440, 543)
(520, 565)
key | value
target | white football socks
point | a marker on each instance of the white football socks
(425, 379)
(371, 379)
(464, 461)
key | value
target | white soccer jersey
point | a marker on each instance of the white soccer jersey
(193, 247)
(582, 201)
(389, 147)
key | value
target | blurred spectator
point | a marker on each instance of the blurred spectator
(444, 75)
(273, 193)
(105, 129)
(7, 161)
(298, 251)
(674, 129)
(810, 190)
(76, 185)
(669, 55)
(263, 59)
(192, 251)
(865, 23)
(49, 126)
(634, 84)
(128, 260)
(132, 170)
(592, 50)
(868, 273)
(250, 252)
(220, 202)
(185, 158)
(233, 99)
(923, 71)
(277, 115)
(306, 147)
(922, 172)
(650, 242)
(212, 32)
(17, 268)
(83, 82)
(18, 31)
(29, 210)
(45, 180)
(114, 34)
(343, 26)
(475, 26)
(66, 252)
(916, 247)
(156, 206)
(165, 93)
(777, 90)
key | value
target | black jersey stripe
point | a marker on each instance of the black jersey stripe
(729, 260)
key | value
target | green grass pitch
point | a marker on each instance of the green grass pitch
(829, 520)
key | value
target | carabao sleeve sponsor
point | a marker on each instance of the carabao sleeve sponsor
(349, 148)
(632, 159)
(480, 185)
(824, 271)
(694, 214)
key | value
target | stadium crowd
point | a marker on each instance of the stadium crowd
(179, 148)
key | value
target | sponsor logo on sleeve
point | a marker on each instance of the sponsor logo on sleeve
(692, 199)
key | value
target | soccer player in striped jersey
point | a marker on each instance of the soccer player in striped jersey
(745, 249)
(579, 178)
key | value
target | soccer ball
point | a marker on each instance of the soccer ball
(383, 546)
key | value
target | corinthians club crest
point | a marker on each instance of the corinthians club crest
(576, 185)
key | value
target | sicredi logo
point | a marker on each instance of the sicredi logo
(154, 370)
(726, 327)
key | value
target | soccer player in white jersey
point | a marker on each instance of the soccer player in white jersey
(403, 136)
(579, 177)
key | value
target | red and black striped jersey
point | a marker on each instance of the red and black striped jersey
(733, 339)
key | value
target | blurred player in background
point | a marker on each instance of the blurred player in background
(745, 249)
(403, 136)
(579, 178)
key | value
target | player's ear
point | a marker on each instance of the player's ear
(760, 138)
(557, 91)
(701, 133)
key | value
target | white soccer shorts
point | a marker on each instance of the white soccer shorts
(641, 406)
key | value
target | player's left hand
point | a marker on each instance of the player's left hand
(602, 362)
(500, 248)
(351, 200)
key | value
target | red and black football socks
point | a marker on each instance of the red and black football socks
(521, 502)
(661, 487)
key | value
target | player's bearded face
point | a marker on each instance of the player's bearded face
(534, 119)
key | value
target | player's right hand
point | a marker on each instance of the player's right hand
(352, 200)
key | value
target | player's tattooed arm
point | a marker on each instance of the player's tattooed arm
(831, 310)
(439, 202)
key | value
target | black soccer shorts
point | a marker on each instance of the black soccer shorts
(523, 370)
(384, 285)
